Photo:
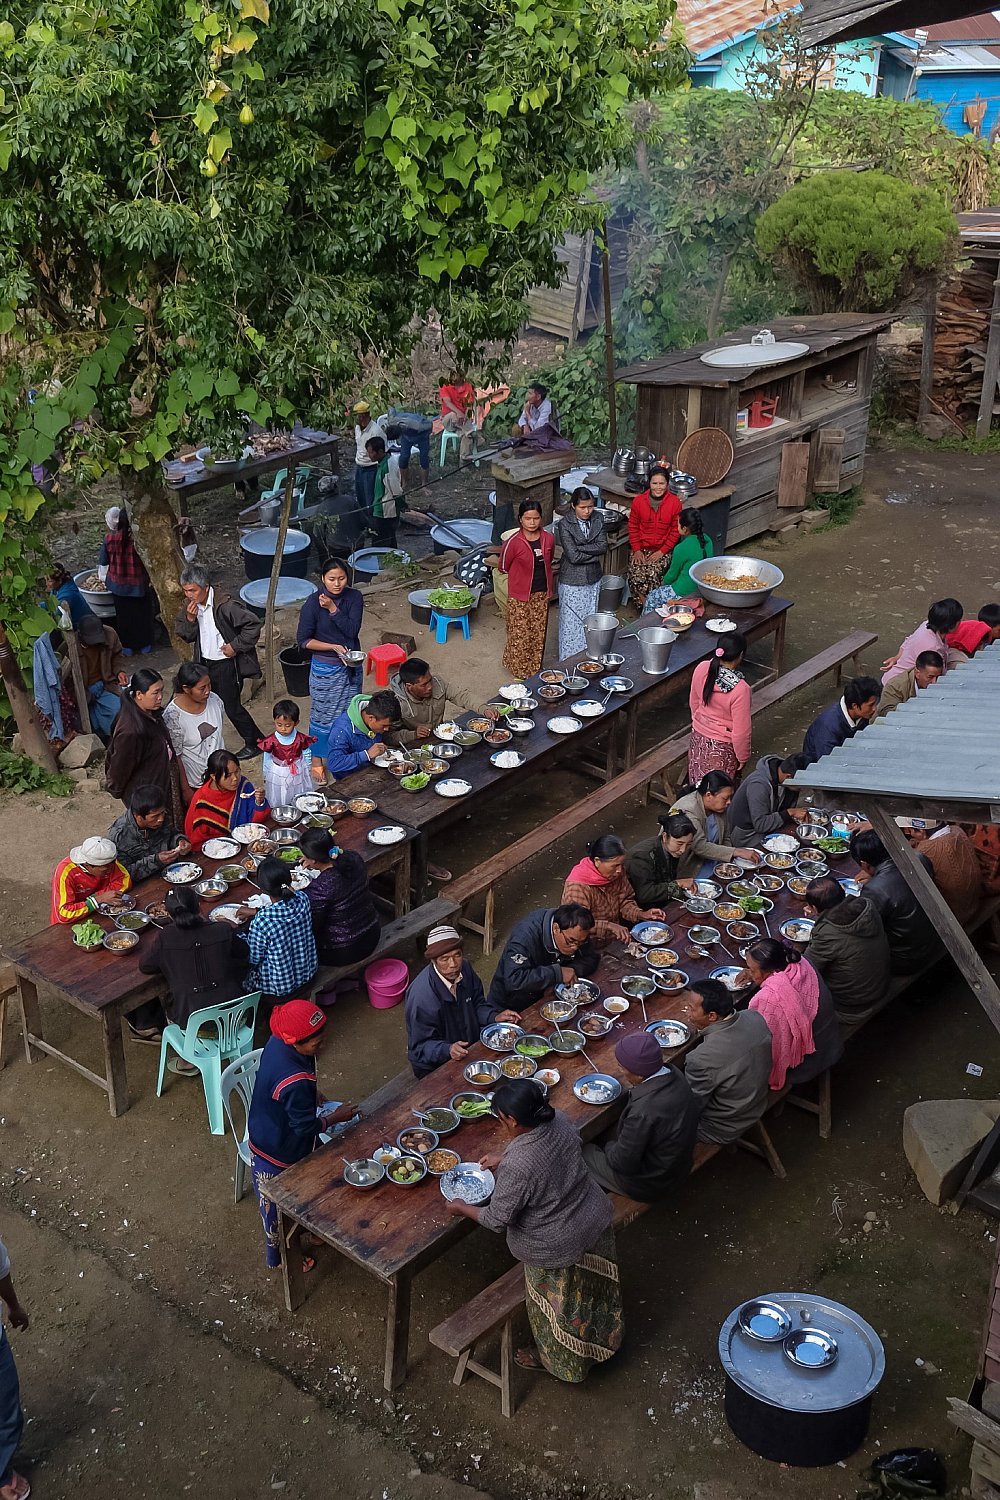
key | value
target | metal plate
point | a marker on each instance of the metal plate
(453, 786)
(765, 1322)
(764, 1371)
(387, 834)
(597, 1088)
(726, 975)
(670, 1033)
(220, 848)
(588, 708)
(652, 934)
(811, 1349)
(564, 725)
(797, 929)
(500, 1036)
(468, 1182)
(182, 873)
(781, 843)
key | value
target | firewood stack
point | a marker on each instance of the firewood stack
(963, 325)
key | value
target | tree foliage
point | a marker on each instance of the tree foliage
(211, 212)
(858, 241)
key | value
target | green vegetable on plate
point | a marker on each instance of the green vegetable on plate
(88, 934)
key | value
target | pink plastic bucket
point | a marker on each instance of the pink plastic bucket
(386, 979)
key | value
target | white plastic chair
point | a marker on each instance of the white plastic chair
(239, 1078)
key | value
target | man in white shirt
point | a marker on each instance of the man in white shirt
(365, 427)
(13, 1486)
(537, 411)
(224, 634)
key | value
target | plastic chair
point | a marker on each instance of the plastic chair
(233, 1037)
(239, 1078)
(448, 439)
(439, 626)
(381, 660)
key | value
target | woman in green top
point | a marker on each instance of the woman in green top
(692, 546)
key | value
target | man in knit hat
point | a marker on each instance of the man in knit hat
(649, 1151)
(446, 1007)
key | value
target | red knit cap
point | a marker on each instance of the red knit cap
(297, 1020)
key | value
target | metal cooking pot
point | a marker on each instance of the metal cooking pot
(622, 462)
(684, 486)
(641, 466)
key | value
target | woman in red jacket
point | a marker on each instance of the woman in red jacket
(652, 533)
(526, 558)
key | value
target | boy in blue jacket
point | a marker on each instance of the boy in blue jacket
(356, 735)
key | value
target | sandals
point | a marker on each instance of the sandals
(17, 1488)
(527, 1359)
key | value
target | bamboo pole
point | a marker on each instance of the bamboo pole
(272, 588)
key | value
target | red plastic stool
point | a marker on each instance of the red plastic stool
(381, 660)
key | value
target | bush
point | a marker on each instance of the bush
(857, 241)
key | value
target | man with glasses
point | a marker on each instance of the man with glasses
(546, 948)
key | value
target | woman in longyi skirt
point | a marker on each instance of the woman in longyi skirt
(526, 559)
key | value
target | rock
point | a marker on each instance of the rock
(80, 751)
(871, 1217)
(391, 638)
(80, 774)
(940, 1138)
(932, 426)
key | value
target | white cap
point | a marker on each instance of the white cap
(94, 851)
(111, 516)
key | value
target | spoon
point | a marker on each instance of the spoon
(644, 1015)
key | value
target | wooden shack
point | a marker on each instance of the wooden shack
(817, 440)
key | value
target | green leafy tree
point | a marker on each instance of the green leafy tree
(212, 212)
(858, 241)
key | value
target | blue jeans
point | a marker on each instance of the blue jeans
(11, 1415)
(364, 487)
(409, 438)
(103, 709)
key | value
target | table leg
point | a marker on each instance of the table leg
(291, 1262)
(778, 650)
(114, 1061)
(401, 899)
(397, 1332)
(631, 734)
(31, 1015)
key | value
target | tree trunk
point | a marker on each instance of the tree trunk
(26, 715)
(154, 524)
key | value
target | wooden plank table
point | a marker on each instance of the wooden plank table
(196, 478)
(108, 986)
(394, 1232)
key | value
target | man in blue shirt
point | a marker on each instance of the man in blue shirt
(356, 736)
(841, 721)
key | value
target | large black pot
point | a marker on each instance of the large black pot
(295, 664)
(258, 553)
(807, 1440)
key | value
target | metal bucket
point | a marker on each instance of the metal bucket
(612, 592)
(656, 644)
(599, 632)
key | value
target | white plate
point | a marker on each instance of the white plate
(301, 878)
(564, 725)
(452, 786)
(588, 708)
(721, 626)
(389, 833)
(258, 902)
(781, 843)
(513, 690)
(507, 760)
(182, 873)
(227, 913)
(447, 730)
(311, 802)
(250, 833)
(220, 848)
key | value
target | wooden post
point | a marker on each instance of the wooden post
(73, 652)
(609, 341)
(925, 401)
(26, 715)
(939, 913)
(991, 370)
(272, 588)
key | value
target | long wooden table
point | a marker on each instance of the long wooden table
(394, 1232)
(108, 986)
(618, 725)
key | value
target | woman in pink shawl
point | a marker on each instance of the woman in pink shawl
(942, 618)
(788, 999)
(600, 884)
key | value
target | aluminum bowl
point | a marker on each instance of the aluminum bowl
(558, 1010)
(671, 981)
(400, 768)
(597, 1026)
(132, 921)
(364, 1173)
(424, 1134)
(531, 1039)
(732, 567)
(447, 752)
(120, 942)
(638, 986)
(211, 890)
(568, 1041)
(472, 1070)
(575, 684)
(285, 816)
(285, 837)
(416, 1161)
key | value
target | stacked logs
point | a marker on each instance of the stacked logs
(963, 325)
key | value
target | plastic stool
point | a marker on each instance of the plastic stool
(381, 660)
(447, 438)
(439, 626)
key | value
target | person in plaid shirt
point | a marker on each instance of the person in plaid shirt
(125, 574)
(280, 937)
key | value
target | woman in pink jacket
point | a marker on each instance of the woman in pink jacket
(720, 712)
(942, 618)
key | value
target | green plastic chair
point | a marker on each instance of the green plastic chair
(239, 1078)
(233, 1025)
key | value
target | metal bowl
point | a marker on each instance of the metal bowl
(336, 807)
(364, 1173)
(750, 931)
(797, 930)
(518, 1067)
(699, 906)
(768, 883)
(616, 1005)
(576, 683)
(471, 1071)
(498, 737)
(285, 815)
(638, 986)
(552, 692)
(116, 905)
(132, 921)
(727, 974)
(518, 725)
(407, 1140)
(582, 991)
(400, 768)
(671, 981)
(567, 1042)
(500, 1036)
(597, 1026)
(354, 658)
(415, 1161)
(732, 567)
(652, 934)
(532, 1039)
(469, 1097)
(552, 675)
(120, 942)
(765, 1322)
(595, 668)
(811, 1349)
(440, 1118)
(447, 752)
(447, 1160)
(851, 887)
(211, 890)
(317, 820)
(810, 832)
(612, 659)
(558, 1010)
(285, 837)
(466, 738)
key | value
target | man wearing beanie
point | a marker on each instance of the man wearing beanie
(91, 874)
(649, 1151)
(446, 1007)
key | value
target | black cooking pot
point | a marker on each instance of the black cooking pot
(807, 1440)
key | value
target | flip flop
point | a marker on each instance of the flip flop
(439, 874)
(17, 1488)
(527, 1359)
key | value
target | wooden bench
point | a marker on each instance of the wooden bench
(393, 935)
(498, 1305)
(485, 876)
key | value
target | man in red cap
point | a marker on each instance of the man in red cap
(287, 1112)
(650, 1149)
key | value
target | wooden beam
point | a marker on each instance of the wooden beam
(926, 400)
(939, 913)
(73, 652)
(991, 372)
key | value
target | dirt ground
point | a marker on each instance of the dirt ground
(160, 1358)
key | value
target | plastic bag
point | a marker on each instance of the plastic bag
(905, 1473)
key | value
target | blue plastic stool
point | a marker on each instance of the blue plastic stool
(439, 626)
(447, 439)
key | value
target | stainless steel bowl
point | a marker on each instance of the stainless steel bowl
(471, 1069)
(285, 816)
(286, 837)
(732, 567)
(575, 684)
(209, 890)
(364, 1173)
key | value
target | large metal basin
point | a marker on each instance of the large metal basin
(732, 567)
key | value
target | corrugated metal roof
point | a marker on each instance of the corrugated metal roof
(826, 21)
(984, 28)
(710, 25)
(941, 746)
(938, 57)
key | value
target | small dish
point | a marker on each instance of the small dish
(764, 1321)
(211, 890)
(638, 986)
(361, 806)
(616, 1005)
(671, 981)
(407, 1171)
(285, 815)
(548, 1077)
(481, 1074)
(120, 942)
(364, 1173)
(500, 1036)
(594, 1026)
(558, 1010)
(597, 1088)
(811, 1349)
(518, 1067)
(567, 1042)
(389, 833)
(612, 659)
(720, 625)
(517, 725)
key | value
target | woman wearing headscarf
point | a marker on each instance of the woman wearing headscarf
(225, 800)
(558, 1223)
(124, 572)
(720, 712)
(584, 541)
(599, 883)
(652, 534)
(140, 751)
(285, 1119)
(526, 559)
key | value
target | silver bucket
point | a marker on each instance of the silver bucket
(656, 644)
(612, 592)
(599, 632)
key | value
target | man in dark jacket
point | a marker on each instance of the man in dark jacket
(224, 634)
(730, 1069)
(144, 837)
(651, 1148)
(546, 948)
(913, 942)
(848, 947)
(842, 720)
(762, 804)
(446, 1007)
